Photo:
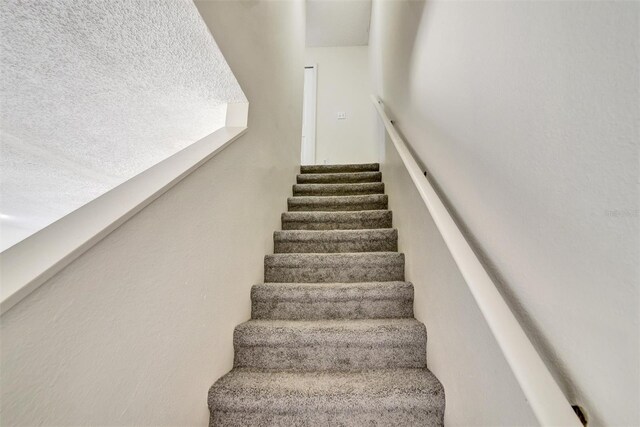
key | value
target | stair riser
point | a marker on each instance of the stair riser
(339, 178)
(330, 274)
(338, 189)
(319, 310)
(332, 241)
(390, 417)
(295, 301)
(347, 224)
(387, 245)
(313, 358)
(324, 204)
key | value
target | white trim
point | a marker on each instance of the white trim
(548, 402)
(308, 139)
(28, 264)
(237, 115)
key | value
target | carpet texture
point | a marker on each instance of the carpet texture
(305, 241)
(355, 189)
(336, 220)
(339, 178)
(332, 340)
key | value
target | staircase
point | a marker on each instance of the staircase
(332, 339)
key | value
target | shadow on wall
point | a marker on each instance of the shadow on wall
(411, 17)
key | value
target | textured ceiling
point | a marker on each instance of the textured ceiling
(94, 92)
(338, 22)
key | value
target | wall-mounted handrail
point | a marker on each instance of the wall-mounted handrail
(547, 400)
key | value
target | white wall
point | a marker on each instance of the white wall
(337, 23)
(136, 330)
(95, 92)
(526, 115)
(479, 386)
(343, 86)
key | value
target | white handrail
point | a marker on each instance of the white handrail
(548, 402)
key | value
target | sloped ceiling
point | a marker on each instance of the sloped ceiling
(94, 92)
(338, 22)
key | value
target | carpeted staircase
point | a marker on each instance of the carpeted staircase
(332, 339)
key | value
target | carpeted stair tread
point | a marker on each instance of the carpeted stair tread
(335, 332)
(328, 267)
(348, 168)
(338, 203)
(337, 220)
(307, 241)
(382, 397)
(330, 344)
(338, 178)
(338, 189)
(311, 301)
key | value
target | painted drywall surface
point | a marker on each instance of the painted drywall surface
(526, 115)
(337, 23)
(343, 86)
(136, 330)
(95, 92)
(479, 386)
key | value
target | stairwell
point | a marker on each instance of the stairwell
(332, 339)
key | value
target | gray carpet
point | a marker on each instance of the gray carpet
(339, 178)
(332, 340)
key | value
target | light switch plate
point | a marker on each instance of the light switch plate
(341, 115)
